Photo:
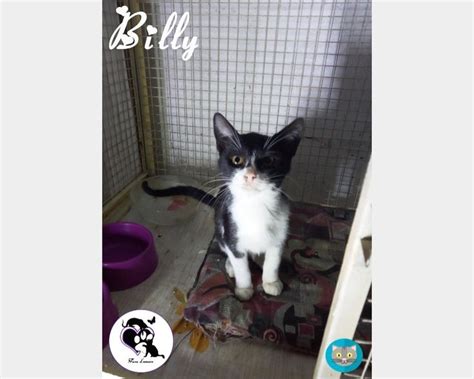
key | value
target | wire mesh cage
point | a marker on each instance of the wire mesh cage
(121, 150)
(261, 64)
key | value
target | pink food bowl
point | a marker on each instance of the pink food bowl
(128, 255)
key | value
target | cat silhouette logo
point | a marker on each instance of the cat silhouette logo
(141, 341)
(344, 355)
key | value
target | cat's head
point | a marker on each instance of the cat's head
(345, 355)
(252, 161)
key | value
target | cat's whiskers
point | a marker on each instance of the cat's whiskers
(218, 187)
(217, 176)
(218, 197)
(223, 196)
(273, 142)
(284, 177)
(266, 142)
(275, 177)
(235, 140)
(215, 181)
(236, 136)
(201, 205)
(283, 192)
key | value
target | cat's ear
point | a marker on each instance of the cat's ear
(334, 347)
(289, 137)
(223, 131)
(353, 347)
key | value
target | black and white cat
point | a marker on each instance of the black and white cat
(251, 211)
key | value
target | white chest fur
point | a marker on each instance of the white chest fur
(261, 219)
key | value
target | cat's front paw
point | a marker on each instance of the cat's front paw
(244, 293)
(273, 288)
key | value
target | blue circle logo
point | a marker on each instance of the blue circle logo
(344, 355)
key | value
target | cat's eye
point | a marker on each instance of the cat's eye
(349, 355)
(268, 162)
(237, 160)
(338, 355)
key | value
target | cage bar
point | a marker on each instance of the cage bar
(352, 286)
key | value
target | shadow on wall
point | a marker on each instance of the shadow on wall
(334, 154)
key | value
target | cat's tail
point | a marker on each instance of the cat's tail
(190, 191)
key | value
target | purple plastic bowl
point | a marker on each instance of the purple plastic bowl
(109, 314)
(128, 255)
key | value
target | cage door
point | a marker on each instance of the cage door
(353, 284)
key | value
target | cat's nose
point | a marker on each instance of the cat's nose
(250, 175)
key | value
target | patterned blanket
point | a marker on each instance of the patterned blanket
(309, 271)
